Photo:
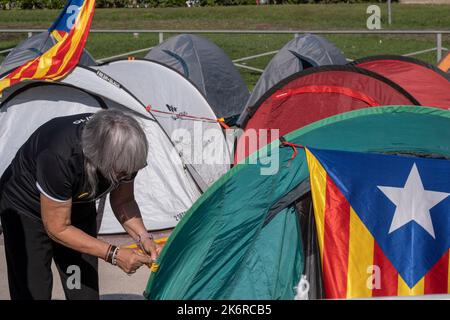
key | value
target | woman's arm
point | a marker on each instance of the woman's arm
(57, 223)
(126, 209)
(127, 212)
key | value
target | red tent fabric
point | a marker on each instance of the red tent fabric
(314, 94)
(426, 83)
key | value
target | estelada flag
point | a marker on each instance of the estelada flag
(383, 223)
(71, 30)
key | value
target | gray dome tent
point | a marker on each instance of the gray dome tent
(32, 48)
(303, 52)
(209, 68)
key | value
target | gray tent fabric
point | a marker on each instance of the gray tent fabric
(303, 52)
(33, 47)
(209, 68)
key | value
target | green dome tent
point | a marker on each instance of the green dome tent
(243, 238)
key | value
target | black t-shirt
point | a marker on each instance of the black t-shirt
(50, 162)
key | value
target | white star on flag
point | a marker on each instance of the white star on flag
(413, 202)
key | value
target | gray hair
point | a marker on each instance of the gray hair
(113, 143)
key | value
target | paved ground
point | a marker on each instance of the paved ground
(114, 283)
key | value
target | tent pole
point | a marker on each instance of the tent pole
(438, 47)
(389, 12)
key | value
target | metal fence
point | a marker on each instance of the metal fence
(439, 48)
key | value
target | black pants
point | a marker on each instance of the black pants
(29, 253)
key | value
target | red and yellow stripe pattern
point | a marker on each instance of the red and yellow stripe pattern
(60, 59)
(353, 265)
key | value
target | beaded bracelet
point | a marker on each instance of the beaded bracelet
(114, 256)
(111, 254)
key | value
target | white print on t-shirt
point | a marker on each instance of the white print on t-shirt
(80, 121)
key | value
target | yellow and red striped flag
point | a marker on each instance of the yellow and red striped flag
(71, 30)
(383, 223)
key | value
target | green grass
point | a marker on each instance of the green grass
(329, 16)
(286, 17)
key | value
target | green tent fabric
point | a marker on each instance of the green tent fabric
(242, 239)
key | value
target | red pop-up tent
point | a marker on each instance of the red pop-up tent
(315, 94)
(425, 82)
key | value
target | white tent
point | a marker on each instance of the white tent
(169, 185)
(165, 89)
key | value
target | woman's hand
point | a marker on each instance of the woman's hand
(129, 260)
(151, 248)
